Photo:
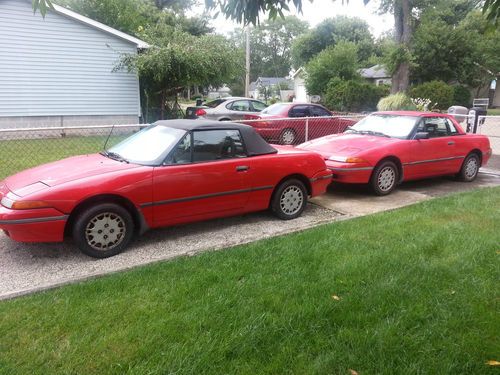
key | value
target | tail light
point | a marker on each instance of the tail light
(200, 112)
(251, 117)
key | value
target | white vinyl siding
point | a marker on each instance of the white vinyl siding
(59, 66)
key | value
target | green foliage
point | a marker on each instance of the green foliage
(396, 102)
(439, 92)
(43, 6)
(492, 11)
(339, 62)
(270, 43)
(353, 95)
(330, 32)
(461, 96)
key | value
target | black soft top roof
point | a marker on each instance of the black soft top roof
(254, 143)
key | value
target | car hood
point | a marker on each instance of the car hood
(62, 171)
(346, 144)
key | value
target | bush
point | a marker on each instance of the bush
(439, 92)
(396, 102)
(461, 96)
(353, 96)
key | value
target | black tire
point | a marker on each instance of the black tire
(384, 178)
(289, 199)
(116, 223)
(288, 137)
(470, 168)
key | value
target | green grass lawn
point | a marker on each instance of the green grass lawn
(413, 291)
(17, 155)
(494, 112)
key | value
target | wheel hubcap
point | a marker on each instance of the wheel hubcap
(471, 168)
(291, 200)
(105, 231)
(386, 178)
(288, 137)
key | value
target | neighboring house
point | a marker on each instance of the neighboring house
(271, 87)
(220, 92)
(59, 71)
(377, 75)
(299, 86)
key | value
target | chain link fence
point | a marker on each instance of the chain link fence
(24, 148)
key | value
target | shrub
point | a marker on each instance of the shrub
(353, 96)
(396, 102)
(461, 96)
(439, 92)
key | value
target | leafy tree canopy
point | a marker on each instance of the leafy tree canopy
(336, 62)
(329, 33)
(270, 45)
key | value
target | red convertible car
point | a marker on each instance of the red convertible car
(285, 123)
(169, 173)
(386, 148)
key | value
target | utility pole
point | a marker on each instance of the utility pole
(247, 65)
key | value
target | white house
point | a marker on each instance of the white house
(377, 75)
(60, 70)
(299, 86)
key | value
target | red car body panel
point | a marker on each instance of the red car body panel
(316, 126)
(161, 195)
(417, 158)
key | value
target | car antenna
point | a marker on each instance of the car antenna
(107, 139)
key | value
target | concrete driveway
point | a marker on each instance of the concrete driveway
(28, 268)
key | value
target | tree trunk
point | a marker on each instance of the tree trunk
(403, 34)
(162, 105)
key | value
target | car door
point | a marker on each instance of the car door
(203, 177)
(238, 109)
(436, 155)
(321, 123)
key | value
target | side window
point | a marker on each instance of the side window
(181, 154)
(435, 126)
(318, 111)
(258, 106)
(211, 145)
(299, 111)
(241, 105)
(451, 127)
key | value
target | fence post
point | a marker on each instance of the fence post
(307, 129)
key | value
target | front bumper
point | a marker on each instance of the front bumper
(350, 173)
(40, 225)
(320, 181)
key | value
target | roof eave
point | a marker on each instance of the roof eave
(100, 26)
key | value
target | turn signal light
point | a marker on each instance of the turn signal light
(356, 160)
(27, 205)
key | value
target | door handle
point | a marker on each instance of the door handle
(451, 143)
(242, 168)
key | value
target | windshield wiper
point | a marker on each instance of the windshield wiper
(351, 129)
(114, 156)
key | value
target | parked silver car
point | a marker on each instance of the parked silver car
(226, 109)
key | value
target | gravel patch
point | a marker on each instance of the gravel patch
(26, 268)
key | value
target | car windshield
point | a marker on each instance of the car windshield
(214, 103)
(385, 126)
(274, 109)
(150, 146)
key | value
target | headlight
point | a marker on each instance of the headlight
(7, 202)
(341, 159)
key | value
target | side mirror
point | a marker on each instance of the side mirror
(422, 135)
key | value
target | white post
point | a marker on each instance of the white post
(307, 129)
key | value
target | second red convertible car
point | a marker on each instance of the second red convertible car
(293, 123)
(386, 148)
(170, 173)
